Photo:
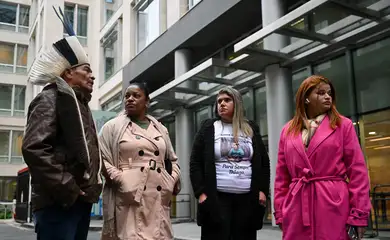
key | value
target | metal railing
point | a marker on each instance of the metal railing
(181, 207)
(380, 215)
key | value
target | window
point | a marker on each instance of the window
(374, 136)
(12, 100)
(7, 57)
(21, 59)
(78, 17)
(24, 18)
(171, 127)
(247, 99)
(112, 55)
(261, 109)
(109, 8)
(14, 17)
(19, 100)
(201, 115)
(16, 151)
(82, 21)
(192, 3)
(372, 76)
(148, 20)
(69, 13)
(13, 58)
(297, 78)
(11, 146)
(117, 109)
(326, 16)
(300, 24)
(6, 99)
(7, 189)
(113, 104)
(8, 15)
(4, 146)
(336, 71)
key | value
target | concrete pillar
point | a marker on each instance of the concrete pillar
(29, 96)
(127, 32)
(182, 61)
(94, 50)
(278, 84)
(184, 124)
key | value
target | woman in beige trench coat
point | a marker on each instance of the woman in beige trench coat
(141, 173)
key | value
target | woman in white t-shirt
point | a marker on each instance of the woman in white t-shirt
(229, 170)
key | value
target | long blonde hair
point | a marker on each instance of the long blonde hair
(239, 122)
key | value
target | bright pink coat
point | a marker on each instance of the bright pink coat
(313, 200)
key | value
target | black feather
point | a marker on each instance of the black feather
(65, 21)
(68, 24)
(66, 50)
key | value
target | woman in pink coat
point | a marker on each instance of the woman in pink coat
(321, 185)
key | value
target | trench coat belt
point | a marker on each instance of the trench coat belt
(148, 166)
(304, 182)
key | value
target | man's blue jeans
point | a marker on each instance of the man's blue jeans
(56, 223)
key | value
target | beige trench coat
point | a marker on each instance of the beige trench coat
(137, 183)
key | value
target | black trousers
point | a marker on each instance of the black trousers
(234, 225)
(56, 223)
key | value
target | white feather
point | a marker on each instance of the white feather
(47, 66)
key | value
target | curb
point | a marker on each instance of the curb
(27, 225)
(95, 228)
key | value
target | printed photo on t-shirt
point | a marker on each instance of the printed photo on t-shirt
(233, 151)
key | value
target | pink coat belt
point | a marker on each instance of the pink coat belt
(304, 182)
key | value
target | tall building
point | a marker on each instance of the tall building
(28, 27)
(14, 40)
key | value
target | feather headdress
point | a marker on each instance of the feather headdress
(64, 54)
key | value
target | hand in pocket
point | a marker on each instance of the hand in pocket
(128, 186)
(167, 184)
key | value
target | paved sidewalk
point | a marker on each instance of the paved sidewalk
(191, 231)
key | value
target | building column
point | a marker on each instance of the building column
(279, 87)
(94, 47)
(184, 124)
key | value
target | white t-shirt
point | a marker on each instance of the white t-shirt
(232, 161)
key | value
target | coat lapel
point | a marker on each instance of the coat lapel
(155, 134)
(322, 133)
(298, 144)
(146, 133)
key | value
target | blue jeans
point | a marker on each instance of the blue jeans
(56, 223)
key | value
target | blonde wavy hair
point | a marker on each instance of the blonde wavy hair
(239, 121)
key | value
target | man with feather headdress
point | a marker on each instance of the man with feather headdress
(60, 144)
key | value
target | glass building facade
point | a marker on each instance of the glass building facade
(266, 57)
(362, 80)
